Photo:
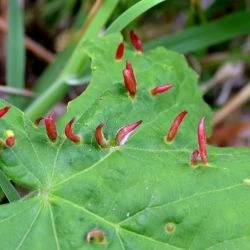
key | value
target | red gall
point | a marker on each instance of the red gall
(129, 79)
(129, 82)
(50, 127)
(202, 141)
(70, 133)
(161, 89)
(175, 126)
(4, 110)
(100, 138)
(124, 132)
(135, 41)
(130, 68)
(194, 157)
(120, 51)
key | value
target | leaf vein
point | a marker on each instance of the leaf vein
(86, 169)
(29, 228)
(54, 228)
(183, 199)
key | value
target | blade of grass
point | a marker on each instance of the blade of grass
(15, 49)
(205, 35)
(75, 64)
(7, 188)
(132, 13)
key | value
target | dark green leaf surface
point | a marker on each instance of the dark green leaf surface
(134, 193)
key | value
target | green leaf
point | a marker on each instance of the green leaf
(142, 195)
(15, 49)
(205, 35)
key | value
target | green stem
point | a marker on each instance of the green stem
(8, 189)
